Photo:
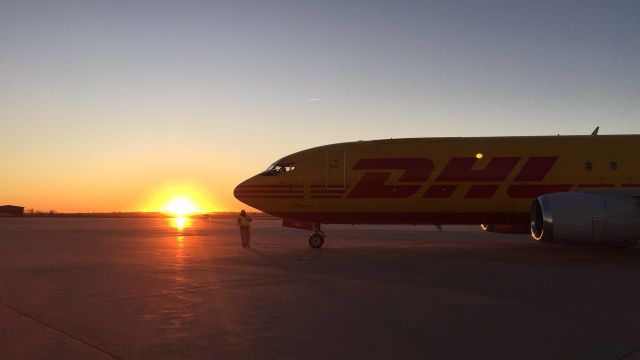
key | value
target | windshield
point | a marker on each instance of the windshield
(278, 168)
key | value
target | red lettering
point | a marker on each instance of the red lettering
(440, 191)
(536, 168)
(596, 185)
(373, 185)
(415, 170)
(481, 191)
(459, 169)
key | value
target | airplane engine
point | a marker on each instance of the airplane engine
(588, 218)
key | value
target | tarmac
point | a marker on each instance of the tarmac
(159, 288)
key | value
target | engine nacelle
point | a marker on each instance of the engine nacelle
(607, 218)
(506, 229)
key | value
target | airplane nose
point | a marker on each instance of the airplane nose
(240, 192)
(237, 192)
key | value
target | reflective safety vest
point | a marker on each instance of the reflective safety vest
(244, 222)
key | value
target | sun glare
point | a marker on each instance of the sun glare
(180, 223)
(180, 206)
(178, 200)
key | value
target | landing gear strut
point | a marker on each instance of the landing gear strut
(317, 239)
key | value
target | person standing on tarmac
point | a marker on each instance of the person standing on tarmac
(244, 222)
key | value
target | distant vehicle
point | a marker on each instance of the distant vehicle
(580, 189)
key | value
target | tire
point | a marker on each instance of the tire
(316, 241)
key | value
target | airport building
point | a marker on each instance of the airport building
(10, 210)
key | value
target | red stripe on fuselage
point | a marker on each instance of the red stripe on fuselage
(269, 191)
(246, 197)
(407, 218)
(596, 185)
(329, 191)
(268, 186)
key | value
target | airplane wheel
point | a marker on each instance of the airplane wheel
(316, 241)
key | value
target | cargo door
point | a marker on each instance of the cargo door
(335, 171)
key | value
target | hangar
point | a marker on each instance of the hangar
(11, 210)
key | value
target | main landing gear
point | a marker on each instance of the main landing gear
(317, 239)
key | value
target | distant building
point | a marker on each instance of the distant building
(10, 210)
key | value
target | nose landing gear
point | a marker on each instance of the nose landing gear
(317, 239)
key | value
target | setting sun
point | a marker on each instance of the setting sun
(178, 200)
(180, 206)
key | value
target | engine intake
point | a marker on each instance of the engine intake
(611, 218)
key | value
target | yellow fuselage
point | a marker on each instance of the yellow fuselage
(439, 180)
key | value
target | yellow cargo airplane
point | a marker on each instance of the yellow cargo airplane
(583, 189)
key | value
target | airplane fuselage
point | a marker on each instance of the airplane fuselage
(491, 180)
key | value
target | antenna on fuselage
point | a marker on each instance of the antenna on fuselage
(595, 131)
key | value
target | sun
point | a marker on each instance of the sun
(178, 200)
(180, 206)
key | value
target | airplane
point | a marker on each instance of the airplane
(559, 189)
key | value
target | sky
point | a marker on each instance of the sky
(112, 105)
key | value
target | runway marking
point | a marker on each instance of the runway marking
(58, 330)
(627, 355)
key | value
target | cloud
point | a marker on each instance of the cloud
(313, 100)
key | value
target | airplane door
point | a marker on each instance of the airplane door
(335, 170)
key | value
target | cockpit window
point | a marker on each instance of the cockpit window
(279, 168)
